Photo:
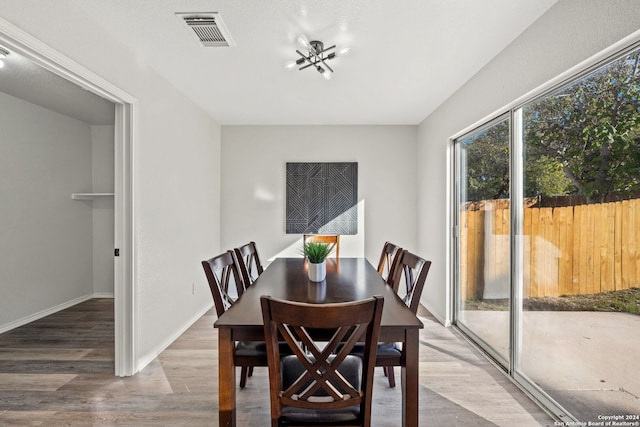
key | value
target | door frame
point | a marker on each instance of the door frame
(125, 302)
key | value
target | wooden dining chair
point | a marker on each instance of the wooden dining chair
(324, 238)
(321, 384)
(249, 263)
(414, 269)
(390, 254)
(221, 271)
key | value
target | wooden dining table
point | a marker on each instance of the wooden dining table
(348, 279)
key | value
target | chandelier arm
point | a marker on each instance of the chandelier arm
(327, 49)
(325, 64)
(306, 66)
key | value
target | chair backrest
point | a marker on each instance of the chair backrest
(323, 379)
(249, 263)
(390, 254)
(221, 271)
(415, 270)
(324, 238)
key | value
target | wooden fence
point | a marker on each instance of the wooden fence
(583, 249)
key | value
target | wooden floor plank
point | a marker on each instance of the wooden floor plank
(72, 363)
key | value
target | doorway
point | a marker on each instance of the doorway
(23, 44)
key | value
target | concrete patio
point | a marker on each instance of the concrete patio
(586, 361)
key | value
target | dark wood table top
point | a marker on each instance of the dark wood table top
(349, 279)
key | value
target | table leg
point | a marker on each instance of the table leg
(226, 379)
(410, 380)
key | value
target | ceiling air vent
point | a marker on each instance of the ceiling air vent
(208, 28)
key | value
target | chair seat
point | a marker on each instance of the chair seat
(257, 350)
(350, 369)
(294, 416)
(386, 350)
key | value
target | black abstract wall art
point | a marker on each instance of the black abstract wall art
(322, 198)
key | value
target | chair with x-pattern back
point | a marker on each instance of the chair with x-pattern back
(221, 271)
(321, 384)
(390, 254)
(414, 269)
(249, 263)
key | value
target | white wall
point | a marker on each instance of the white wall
(176, 155)
(45, 236)
(102, 170)
(570, 32)
(253, 184)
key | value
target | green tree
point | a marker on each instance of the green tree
(487, 163)
(591, 130)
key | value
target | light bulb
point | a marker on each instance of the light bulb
(344, 50)
(290, 65)
(304, 41)
(326, 74)
(1, 63)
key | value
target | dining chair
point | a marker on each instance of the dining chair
(415, 270)
(324, 238)
(221, 271)
(321, 384)
(249, 263)
(390, 254)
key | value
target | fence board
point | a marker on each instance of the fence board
(526, 251)
(561, 220)
(479, 250)
(577, 244)
(628, 269)
(607, 258)
(634, 244)
(535, 232)
(635, 209)
(569, 278)
(546, 255)
(587, 259)
(618, 247)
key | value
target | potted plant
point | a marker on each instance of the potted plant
(316, 253)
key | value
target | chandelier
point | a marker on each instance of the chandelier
(316, 56)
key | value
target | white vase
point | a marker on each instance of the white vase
(317, 272)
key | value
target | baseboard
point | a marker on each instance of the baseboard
(144, 360)
(440, 319)
(44, 313)
(103, 295)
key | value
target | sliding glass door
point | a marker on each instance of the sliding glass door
(548, 242)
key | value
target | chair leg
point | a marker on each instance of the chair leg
(250, 371)
(244, 373)
(390, 375)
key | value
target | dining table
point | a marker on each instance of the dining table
(347, 279)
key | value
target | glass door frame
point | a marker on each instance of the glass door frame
(494, 355)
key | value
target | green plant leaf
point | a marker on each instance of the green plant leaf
(316, 252)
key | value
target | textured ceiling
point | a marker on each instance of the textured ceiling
(406, 57)
(23, 79)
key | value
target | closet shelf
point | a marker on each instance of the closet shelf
(90, 196)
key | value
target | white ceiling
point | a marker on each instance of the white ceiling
(407, 56)
(23, 79)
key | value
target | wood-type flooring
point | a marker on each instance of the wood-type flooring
(58, 371)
